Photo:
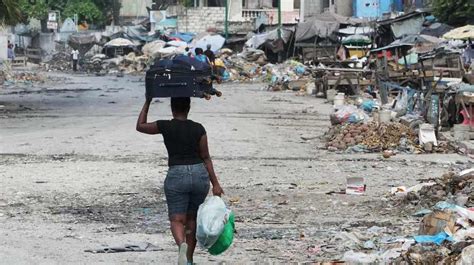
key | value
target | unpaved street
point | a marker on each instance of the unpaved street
(75, 175)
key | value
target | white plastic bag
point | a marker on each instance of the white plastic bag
(402, 102)
(426, 134)
(211, 218)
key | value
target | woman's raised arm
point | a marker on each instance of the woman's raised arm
(142, 125)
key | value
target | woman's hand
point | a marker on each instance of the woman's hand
(148, 99)
(217, 190)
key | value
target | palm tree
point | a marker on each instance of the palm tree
(9, 12)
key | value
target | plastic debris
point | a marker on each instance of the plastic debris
(438, 239)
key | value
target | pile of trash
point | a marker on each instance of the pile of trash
(444, 212)
(60, 61)
(121, 64)
(27, 77)
(287, 75)
(243, 67)
(95, 64)
(2, 77)
(252, 65)
(372, 137)
(458, 187)
(362, 124)
(100, 64)
(132, 63)
(24, 78)
(446, 232)
(9, 77)
(254, 55)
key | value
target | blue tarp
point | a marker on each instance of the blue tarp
(167, 23)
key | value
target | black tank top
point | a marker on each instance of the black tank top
(182, 141)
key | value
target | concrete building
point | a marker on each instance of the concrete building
(200, 19)
(3, 46)
(134, 8)
(376, 8)
(243, 16)
(316, 7)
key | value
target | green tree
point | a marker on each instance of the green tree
(85, 9)
(454, 12)
(10, 12)
(110, 10)
(40, 8)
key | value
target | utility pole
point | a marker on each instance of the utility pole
(301, 11)
(279, 29)
(279, 19)
(226, 20)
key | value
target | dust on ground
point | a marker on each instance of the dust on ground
(76, 175)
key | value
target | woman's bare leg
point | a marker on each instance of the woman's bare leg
(191, 235)
(178, 222)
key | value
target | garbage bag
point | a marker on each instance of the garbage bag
(225, 75)
(368, 105)
(212, 217)
(438, 239)
(300, 69)
(350, 114)
(225, 239)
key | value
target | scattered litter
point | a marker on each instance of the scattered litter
(139, 247)
(355, 185)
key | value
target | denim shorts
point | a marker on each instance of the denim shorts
(186, 187)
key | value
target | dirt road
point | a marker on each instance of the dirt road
(75, 175)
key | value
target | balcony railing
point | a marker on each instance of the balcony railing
(249, 14)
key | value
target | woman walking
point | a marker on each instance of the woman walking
(190, 171)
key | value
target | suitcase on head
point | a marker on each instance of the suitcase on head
(182, 76)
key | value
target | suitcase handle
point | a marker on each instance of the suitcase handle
(173, 84)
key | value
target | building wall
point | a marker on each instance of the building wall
(343, 7)
(287, 5)
(316, 7)
(375, 8)
(47, 44)
(235, 10)
(199, 19)
(367, 8)
(134, 8)
(3, 46)
(313, 7)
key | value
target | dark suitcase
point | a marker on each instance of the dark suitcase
(182, 76)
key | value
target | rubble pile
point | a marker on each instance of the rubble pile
(243, 67)
(243, 71)
(252, 65)
(2, 77)
(132, 63)
(254, 55)
(100, 64)
(25, 77)
(443, 213)
(458, 187)
(60, 61)
(430, 254)
(371, 137)
(446, 231)
(94, 64)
